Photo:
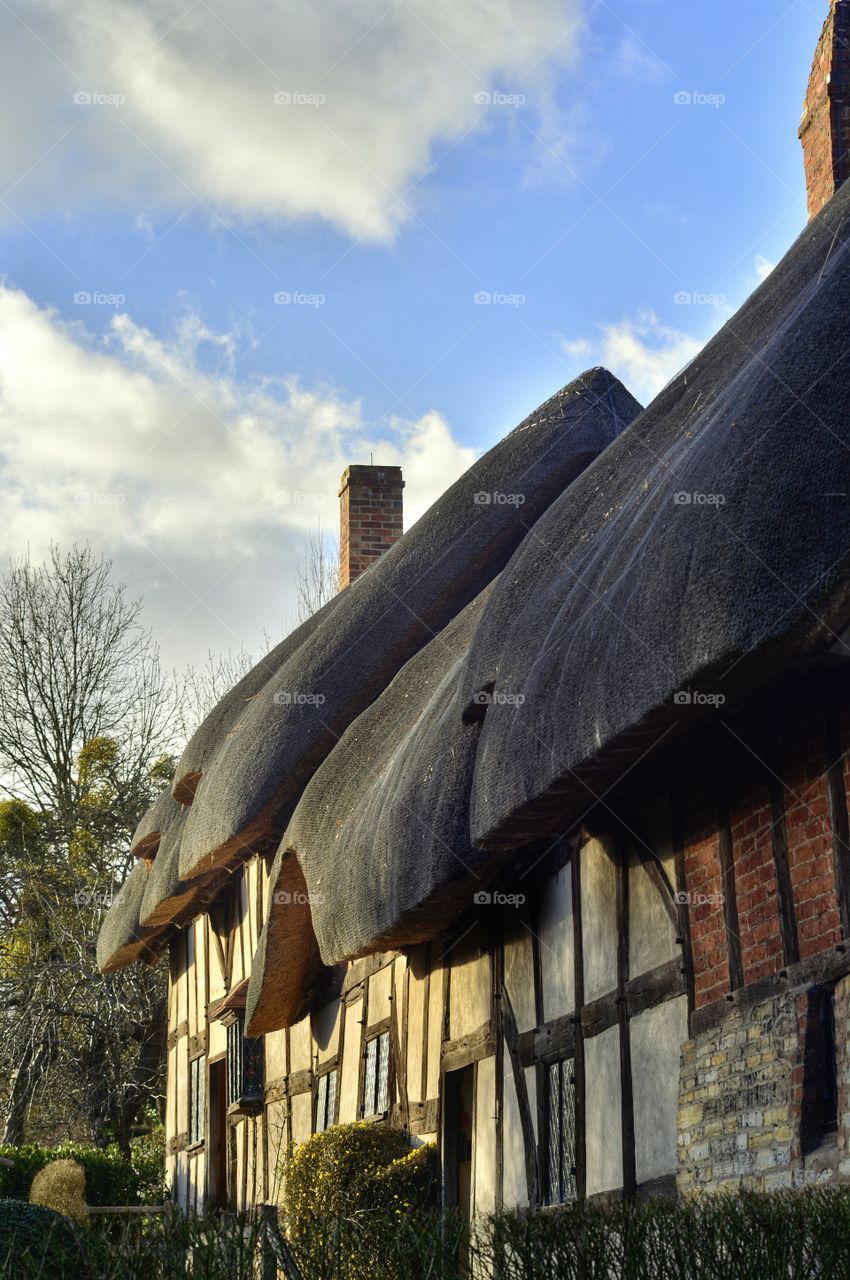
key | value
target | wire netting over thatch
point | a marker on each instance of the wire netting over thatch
(710, 538)
(244, 770)
(381, 620)
(381, 833)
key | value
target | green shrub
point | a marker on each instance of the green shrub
(334, 1171)
(37, 1244)
(793, 1236)
(784, 1236)
(357, 1200)
(147, 1158)
(110, 1177)
(174, 1247)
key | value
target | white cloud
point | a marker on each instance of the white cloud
(642, 352)
(183, 109)
(193, 481)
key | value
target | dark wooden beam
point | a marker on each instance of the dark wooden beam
(539, 1065)
(779, 840)
(511, 1039)
(497, 990)
(556, 1039)
(677, 830)
(826, 968)
(578, 941)
(426, 996)
(398, 1064)
(475, 1045)
(626, 1093)
(727, 871)
(834, 696)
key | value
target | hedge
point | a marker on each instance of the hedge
(110, 1177)
(787, 1236)
(38, 1244)
(794, 1235)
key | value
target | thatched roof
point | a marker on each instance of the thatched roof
(213, 732)
(378, 850)
(122, 939)
(706, 548)
(167, 898)
(505, 661)
(256, 773)
(158, 818)
(243, 772)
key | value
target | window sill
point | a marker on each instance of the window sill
(378, 1118)
(193, 1148)
(246, 1107)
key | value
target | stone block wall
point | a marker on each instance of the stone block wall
(741, 1099)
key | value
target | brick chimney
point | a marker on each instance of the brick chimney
(825, 127)
(370, 517)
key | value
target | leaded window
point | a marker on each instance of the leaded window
(561, 1133)
(325, 1101)
(244, 1066)
(376, 1086)
(197, 1100)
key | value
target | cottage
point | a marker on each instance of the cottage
(534, 840)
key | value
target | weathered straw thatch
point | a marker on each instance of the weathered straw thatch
(242, 773)
(122, 939)
(381, 832)
(208, 738)
(251, 781)
(163, 812)
(166, 896)
(287, 968)
(628, 594)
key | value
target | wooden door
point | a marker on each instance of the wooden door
(217, 1163)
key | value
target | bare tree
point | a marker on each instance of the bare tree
(200, 689)
(317, 578)
(86, 739)
(75, 666)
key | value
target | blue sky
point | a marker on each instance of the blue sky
(630, 176)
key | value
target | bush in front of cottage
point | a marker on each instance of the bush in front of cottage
(37, 1244)
(61, 1186)
(358, 1194)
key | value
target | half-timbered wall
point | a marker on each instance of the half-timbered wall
(520, 983)
(636, 1005)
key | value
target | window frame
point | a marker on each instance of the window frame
(326, 1099)
(377, 1083)
(245, 1068)
(561, 1138)
(197, 1101)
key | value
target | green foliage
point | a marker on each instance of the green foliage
(787, 1236)
(110, 1177)
(38, 1244)
(162, 772)
(353, 1167)
(360, 1182)
(147, 1157)
(18, 825)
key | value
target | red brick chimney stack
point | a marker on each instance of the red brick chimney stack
(370, 517)
(825, 127)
